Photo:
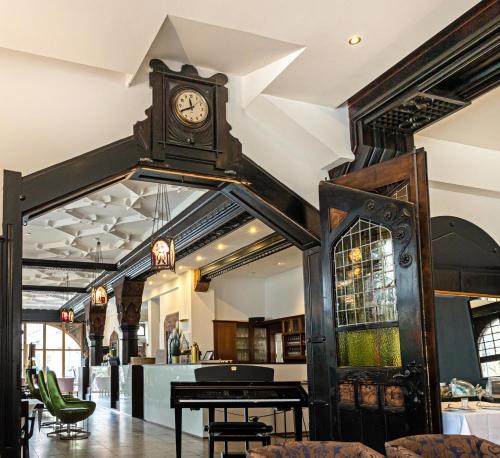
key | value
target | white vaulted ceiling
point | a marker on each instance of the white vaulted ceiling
(119, 216)
(236, 37)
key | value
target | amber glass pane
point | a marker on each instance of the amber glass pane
(369, 347)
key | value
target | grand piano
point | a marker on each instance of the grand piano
(231, 386)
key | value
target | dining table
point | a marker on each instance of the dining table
(481, 419)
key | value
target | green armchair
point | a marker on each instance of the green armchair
(68, 411)
(44, 394)
(35, 392)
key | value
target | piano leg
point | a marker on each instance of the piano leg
(178, 432)
(297, 418)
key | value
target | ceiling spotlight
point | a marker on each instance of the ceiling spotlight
(354, 40)
(252, 230)
(150, 282)
(164, 275)
(281, 263)
(221, 246)
(199, 258)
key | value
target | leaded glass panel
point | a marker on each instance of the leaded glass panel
(377, 347)
(365, 282)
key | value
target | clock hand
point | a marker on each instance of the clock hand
(184, 109)
(190, 104)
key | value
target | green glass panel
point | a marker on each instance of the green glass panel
(369, 347)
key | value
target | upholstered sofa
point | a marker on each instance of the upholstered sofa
(441, 446)
(310, 449)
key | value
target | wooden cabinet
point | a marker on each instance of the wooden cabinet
(253, 342)
(293, 338)
(225, 340)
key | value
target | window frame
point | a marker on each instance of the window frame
(63, 349)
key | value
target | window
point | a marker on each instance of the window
(364, 269)
(366, 311)
(58, 346)
(489, 348)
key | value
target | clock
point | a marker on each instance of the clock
(190, 107)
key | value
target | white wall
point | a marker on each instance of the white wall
(111, 322)
(284, 294)
(463, 182)
(238, 298)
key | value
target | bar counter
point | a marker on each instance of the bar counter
(157, 379)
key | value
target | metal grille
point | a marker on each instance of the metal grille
(415, 112)
(489, 340)
(365, 284)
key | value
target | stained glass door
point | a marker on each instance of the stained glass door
(372, 315)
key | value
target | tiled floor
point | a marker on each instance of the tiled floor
(114, 434)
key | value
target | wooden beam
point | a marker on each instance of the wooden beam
(54, 289)
(68, 265)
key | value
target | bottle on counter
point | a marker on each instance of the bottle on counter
(195, 353)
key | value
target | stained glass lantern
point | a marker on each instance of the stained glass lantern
(163, 254)
(98, 293)
(99, 296)
(64, 315)
(162, 246)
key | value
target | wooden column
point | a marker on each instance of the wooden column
(95, 316)
(128, 296)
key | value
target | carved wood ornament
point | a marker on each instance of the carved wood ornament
(95, 317)
(128, 296)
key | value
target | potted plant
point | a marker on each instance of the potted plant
(175, 346)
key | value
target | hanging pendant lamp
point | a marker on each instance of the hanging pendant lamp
(67, 315)
(162, 247)
(98, 293)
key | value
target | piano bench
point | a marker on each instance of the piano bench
(253, 431)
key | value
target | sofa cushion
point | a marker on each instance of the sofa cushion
(313, 449)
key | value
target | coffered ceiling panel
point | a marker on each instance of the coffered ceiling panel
(119, 216)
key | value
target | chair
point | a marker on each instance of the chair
(69, 412)
(44, 394)
(34, 392)
(441, 446)
(313, 449)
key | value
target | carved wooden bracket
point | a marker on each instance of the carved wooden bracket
(128, 296)
(95, 317)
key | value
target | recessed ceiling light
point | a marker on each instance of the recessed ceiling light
(252, 230)
(354, 40)
(221, 246)
(150, 282)
(199, 258)
(181, 267)
(281, 263)
(164, 275)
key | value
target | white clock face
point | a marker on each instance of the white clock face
(191, 107)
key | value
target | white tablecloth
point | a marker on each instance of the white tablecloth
(479, 422)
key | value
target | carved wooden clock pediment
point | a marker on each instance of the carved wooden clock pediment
(186, 127)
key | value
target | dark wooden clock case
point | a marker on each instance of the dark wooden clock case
(210, 146)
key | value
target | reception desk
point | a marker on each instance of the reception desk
(157, 379)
